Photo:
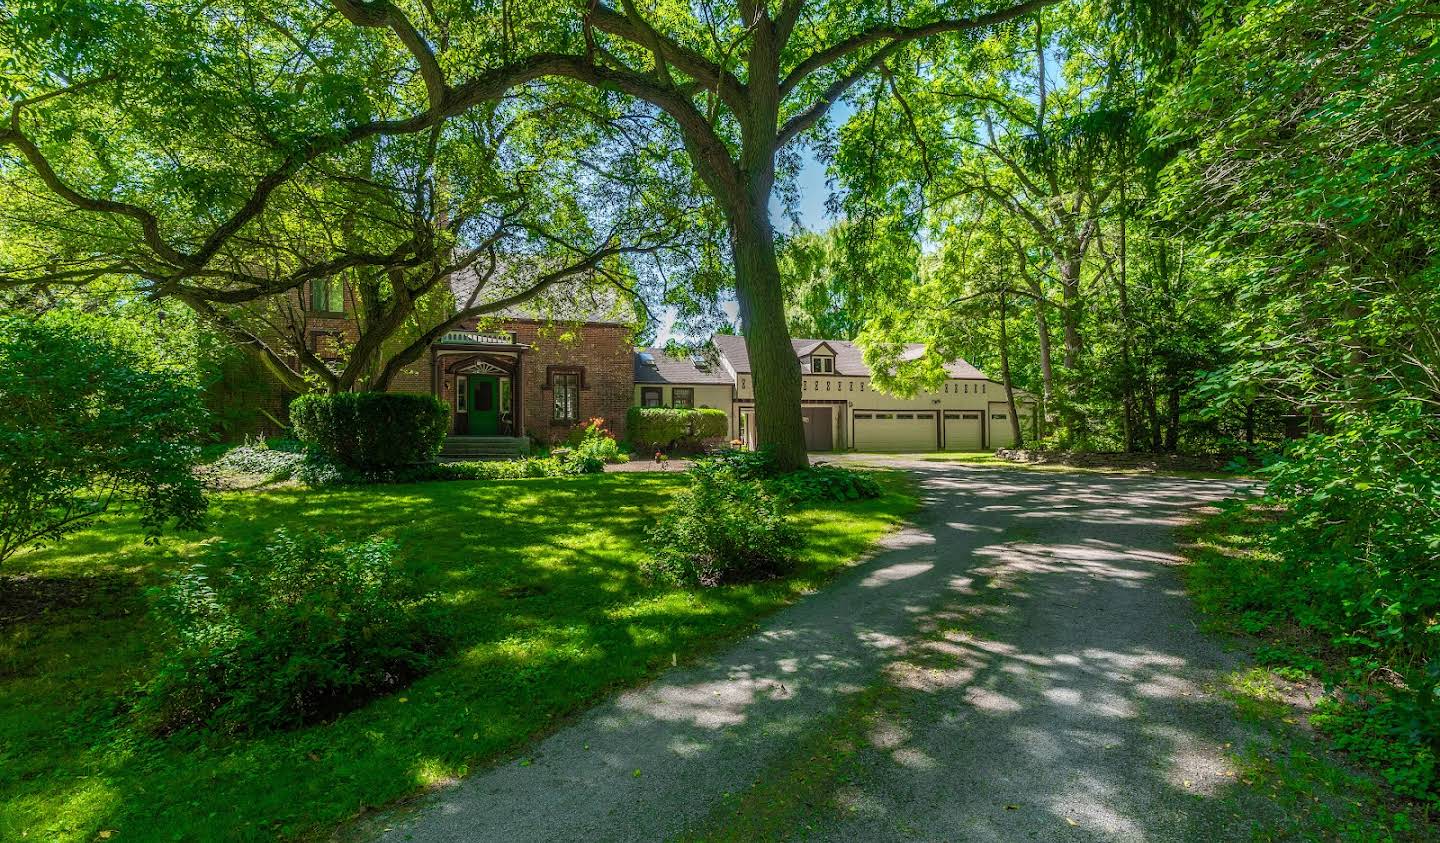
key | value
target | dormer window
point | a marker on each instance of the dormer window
(822, 365)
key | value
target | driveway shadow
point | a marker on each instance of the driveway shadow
(1041, 677)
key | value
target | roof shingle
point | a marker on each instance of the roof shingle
(653, 365)
(849, 358)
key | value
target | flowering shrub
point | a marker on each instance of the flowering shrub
(594, 447)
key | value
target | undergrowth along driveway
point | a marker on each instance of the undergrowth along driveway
(540, 578)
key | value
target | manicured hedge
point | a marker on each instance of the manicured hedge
(372, 429)
(710, 424)
(670, 427)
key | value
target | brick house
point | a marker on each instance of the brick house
(537, 371)
(527, 372)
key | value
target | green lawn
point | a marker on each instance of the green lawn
(540, 576)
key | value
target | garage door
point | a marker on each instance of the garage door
(962, 431)
(819, 429)
(876, 431)
(1001, 436)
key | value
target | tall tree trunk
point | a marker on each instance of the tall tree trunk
(1019, 437)
(773, 363)
(1127, 377)
(1070, 315)
(1172, 430)
(1151, 399)
(1042, 328)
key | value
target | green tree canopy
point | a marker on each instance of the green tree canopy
(86, 425)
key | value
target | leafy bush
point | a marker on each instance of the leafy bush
(657, 427)
(1352, 561)
(1360, 557)
(84, 424)
(316, 470)
(278, 460)
(674, 427)
(820, 482)
(826, 483)
(499, 469)
(709, 423)
(592, 448)
(748, 465)
(722, 529)
(308, 627)
(372, 430)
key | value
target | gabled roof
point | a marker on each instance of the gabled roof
(849, 359)
(583, 299)
(653, 365)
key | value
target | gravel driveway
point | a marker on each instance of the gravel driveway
(1050, 679)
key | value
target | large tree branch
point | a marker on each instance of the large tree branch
(252, 287)
(631, 26)
(709, 153)
(384, 14)
(892, 39)
(182, 264)
(272, 359)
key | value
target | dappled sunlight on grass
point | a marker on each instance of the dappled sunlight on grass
(541, 582)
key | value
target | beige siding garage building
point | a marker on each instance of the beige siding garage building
(840, 406)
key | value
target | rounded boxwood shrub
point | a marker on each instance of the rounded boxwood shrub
(370, 430)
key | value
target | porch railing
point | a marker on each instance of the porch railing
(478, 338)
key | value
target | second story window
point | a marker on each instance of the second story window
(822, 365)
(327, 295)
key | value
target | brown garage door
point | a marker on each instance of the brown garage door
(819, 429)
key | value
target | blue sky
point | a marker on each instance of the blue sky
(814, 193)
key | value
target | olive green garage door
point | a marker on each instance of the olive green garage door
(963, 430)
(895, 431)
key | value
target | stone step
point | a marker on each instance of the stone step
(484, 447)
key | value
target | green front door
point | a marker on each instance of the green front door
(484, 406)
